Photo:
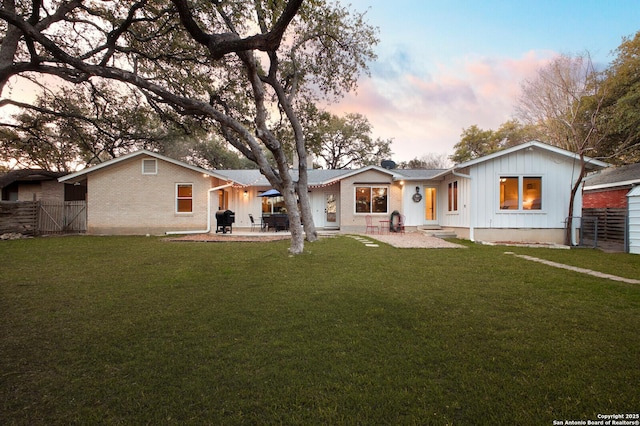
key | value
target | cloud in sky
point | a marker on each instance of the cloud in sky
(426, 112)
(446, 65)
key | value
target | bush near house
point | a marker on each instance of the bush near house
(136, 330)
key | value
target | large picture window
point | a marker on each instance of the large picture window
(184, 198)
(520, 193)
(371, 199)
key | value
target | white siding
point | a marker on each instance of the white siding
(634, 220)
(558, 175)
(459, 218)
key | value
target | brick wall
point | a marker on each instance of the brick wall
(600, 199)
(123, 200)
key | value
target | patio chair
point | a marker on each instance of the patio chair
(401, 224)
(370, 226)
(253, 222)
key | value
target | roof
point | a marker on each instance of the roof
(80, 175)
(418, 174)
(323, 177)
(253, 177)
(28, 175)
(592, 163)
(615, 176)
(635, 192)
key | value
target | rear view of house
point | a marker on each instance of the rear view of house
(518, 194)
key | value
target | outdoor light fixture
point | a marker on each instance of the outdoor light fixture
(246, 194)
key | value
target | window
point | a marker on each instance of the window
(509, 193)
(453, 196)
(149, 167)
(184, 198)
(532, 193)
(520, 193)
(371, 199)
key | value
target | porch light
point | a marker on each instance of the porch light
(246, 194)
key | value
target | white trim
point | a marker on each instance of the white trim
(91, 169)
(521, 177)
(155, 166)
(370, 186)
(613, 184)
(179, 184)
(531, 145)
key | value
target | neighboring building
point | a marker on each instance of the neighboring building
(607, 213)
(609, 188)
(519, 194)
(32, 185)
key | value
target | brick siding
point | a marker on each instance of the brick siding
(616, 198)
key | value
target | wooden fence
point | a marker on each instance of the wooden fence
(606, 224)
(38, 217)
(19, 217)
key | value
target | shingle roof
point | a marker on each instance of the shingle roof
(28, 175)
(418, 174)
(615, 176)
(253, 177)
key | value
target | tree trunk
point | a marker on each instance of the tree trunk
(295, 225)
(574, 190)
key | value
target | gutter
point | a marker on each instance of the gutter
(204, 231)
(471, 229)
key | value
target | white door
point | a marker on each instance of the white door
(331, 216)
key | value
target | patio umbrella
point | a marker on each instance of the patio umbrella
(270, 193)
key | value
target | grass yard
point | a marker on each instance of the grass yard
(134, 330)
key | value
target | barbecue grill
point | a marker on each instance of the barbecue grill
(225, 220)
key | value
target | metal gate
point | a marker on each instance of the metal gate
(62, 217)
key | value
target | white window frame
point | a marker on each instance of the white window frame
(178, 198)
(521, 192)
(155, 166)
(371, 187)
(453, 197)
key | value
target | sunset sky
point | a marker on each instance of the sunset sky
(445, 65)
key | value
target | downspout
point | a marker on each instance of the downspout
(204, 231)
(471, 231)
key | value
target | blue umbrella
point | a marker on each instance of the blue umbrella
(270, 193)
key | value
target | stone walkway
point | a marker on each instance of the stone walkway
(576, 269)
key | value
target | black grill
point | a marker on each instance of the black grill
(225, 220)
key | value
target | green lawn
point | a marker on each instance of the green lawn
(134, 330)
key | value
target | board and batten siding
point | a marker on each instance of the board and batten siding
(634, 220)
(461, 217)
(557, 173)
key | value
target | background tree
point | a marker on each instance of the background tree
(513, 132)
(427, 161)
(240, 65)
(564, 102)
(620, 120)
(474, 143)
(343, 142)
(86, 124)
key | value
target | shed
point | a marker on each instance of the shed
(634, 220)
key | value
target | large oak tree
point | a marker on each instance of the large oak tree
(240, 64)
(564, 102)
